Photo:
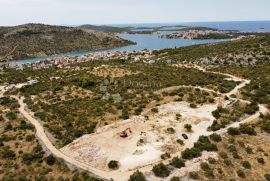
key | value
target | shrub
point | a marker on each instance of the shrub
(228, 162)
(7, 153)
(209, 174)
(8, 127)
(175, 179)
(29, 138)
(165, 156)
(236, 155)
(113, 164)
(242, 144)
(261, 161)
(161, 170)
(241, 174)
(232, 148)
(177, 162)
(267, 177)
(192, 105)
(154, 110)
(215, 137)
(205, 166)
(247, 130)
(220, 171)
(212, 160)
(216, 114)
(137, 176)
(170, 130)
(223, 155)
(203, 139)
(246, 164)
(50, 160)
(251, 108)
(188, 127)
(233, 131)
(191, 153)
(11, 115)
(125, 114)
(179, 141)
(249, 150)
(193, 175)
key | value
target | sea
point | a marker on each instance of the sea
(153, 42)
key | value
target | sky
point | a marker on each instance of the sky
(77, 12)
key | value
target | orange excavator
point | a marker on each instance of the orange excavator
(124, 134)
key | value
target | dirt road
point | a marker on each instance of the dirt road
(118, 175)
(40, 133)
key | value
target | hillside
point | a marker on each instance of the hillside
(104, 28)
(32, 40)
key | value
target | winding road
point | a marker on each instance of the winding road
(40, 133)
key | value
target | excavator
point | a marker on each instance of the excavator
(124, 134)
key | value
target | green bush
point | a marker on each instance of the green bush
(154, 110)
(246, 164)
(177, 162)
(205, 166)
(241, 174)
(215, 137)
(161, 170)
(175, 179)
(6, 153)
(179, 141)
(11, 115)
(137, 176)
(261, 161)
(165, 156)
(193, 175)
(212, 160)
(209, 174)
(232, 148)
(113, 164)
(27, 158)
(267, 177)
(249, 150)
(188, 127)
(228, 162)
(233, 131)
(170, 130)
(50, 160)
(192, 105)
(244, 129)
(191, 153)
(223, 155)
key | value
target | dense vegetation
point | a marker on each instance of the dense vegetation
(21, 155)
(32, 40)
(244, 52)
(59, 103)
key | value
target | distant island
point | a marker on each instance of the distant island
(205, 33)
(34, 40)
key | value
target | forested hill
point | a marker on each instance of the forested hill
(32, 40)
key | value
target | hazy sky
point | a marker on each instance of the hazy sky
(75, 12)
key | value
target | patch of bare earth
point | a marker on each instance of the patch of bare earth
(148, 140)
(106, 70)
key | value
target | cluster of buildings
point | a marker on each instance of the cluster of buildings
(67, 60)
(195, 34)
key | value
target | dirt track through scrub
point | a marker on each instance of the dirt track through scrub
(166, 112)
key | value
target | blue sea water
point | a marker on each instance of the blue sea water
(245, 26)
(153, 42)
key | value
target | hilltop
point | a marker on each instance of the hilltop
(104, 28)
(32, 40)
